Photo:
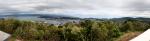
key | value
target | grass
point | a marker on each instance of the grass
(128, 36)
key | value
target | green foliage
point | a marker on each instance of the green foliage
(88, 30)
(131, 25)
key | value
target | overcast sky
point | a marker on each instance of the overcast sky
(79, 8)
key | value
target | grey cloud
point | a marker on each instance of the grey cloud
(130, 6)
(5, 9)
(49, 6)
(53, 6)
(79, 6)
(139, 5)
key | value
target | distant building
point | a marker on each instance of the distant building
(143, 37)
(4, 36)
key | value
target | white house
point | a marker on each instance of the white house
(143, 37)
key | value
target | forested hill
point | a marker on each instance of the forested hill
(46, 16)
(131, 18)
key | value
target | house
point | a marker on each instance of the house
(143, 37)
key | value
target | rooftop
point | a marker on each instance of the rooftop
(4, 36)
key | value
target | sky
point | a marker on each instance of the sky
(78, 8)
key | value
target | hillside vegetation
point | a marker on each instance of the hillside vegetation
(87, 30)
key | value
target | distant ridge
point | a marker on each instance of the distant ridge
(52, 16)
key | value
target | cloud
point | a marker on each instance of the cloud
(139, 5)
(80, 8)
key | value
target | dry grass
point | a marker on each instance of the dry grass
(128, 36)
